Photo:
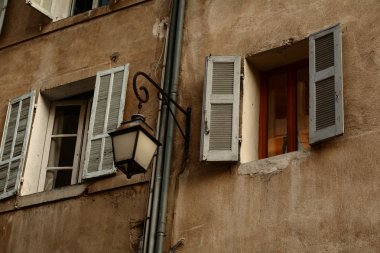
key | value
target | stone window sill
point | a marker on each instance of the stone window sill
(272, 165)
(72, 191)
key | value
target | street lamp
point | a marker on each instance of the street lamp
(133, 143)
(133, 146)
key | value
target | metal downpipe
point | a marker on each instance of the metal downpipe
(170, 127)
(150, 240)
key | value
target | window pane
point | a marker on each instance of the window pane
(62, 150)
(277, 111)
(103, 2)
(57, 178)
(82, 6)
(66, 119)
(303, 107)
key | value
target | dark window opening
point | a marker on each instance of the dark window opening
(82, 6)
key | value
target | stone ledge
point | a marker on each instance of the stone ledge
(272, 165)
(72, 191)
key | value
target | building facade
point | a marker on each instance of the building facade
(283, 126)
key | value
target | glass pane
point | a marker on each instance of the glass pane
(103, 2)
(66, 119)
(57, 178)
(62, 150)
(82, 6)
(277, 111)
(303, 107)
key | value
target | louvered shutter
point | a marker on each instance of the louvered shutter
(15, 142)
(220, 117)
(326, 85)
(106, 115)
(44, 6)
(3, 7)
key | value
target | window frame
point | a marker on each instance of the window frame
(291, 115)
(81, 132)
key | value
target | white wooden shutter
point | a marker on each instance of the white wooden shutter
(326, 85)
(44, 6)
(3, 7)
(106, 115)
(220, 117)
(15, 142)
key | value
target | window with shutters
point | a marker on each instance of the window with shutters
(68, 140)
(293, 96)
(59, 9)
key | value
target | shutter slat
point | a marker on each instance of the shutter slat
(101, 105)
(10, 132)
(113, 119)
(13, 174)
(96, 147)
(326, 85)
(223, 78)
(221, 127)
(324, 52)
(22, 125)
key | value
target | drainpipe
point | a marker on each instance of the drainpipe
(151, 228)
(170, 125)
(154, 166)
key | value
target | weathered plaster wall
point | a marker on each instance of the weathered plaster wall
(109, 221)
(105, 222)
(325, 202)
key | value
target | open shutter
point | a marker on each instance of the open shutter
(106, 115)
(15, 142)
(326, 85)
(220, 117)
(44, 6)
(3, 7)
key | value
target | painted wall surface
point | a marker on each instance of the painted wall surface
(323, 200)
(54, 54)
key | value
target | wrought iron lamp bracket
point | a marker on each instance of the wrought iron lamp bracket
(166, 100)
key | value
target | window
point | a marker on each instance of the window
(63, 144)
(59, 9)
(68, 141)
(288, 103)
(284, 110)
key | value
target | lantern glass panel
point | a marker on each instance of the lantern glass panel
(123, 146)
(145, 150)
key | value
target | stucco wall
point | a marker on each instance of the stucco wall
(59, 53)
(325, 201)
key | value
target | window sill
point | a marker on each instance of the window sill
(71, 191)
(88, 15)
(73, 20)
(272, 165)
